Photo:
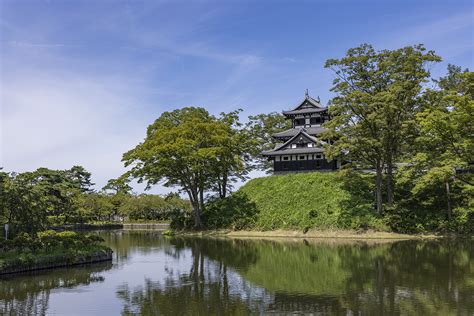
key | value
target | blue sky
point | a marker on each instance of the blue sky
(81, 80)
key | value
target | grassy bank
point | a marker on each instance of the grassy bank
(324, 203)
(303, 201)
(296, 200)
(50, 249)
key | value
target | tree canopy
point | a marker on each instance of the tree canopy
(190, 149)
(378, 93)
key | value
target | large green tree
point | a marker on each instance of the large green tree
(444, 143)
(185, 148)
(24, 205)
(373, 113)
(80, 178)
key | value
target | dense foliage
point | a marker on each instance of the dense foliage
(386, 119)
(31, 202)
(372, 115)
(47, 247)
(193, 150)
(234, 212)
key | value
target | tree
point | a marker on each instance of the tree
(183, 148)
(98, 206)
(373, 113)
(444, 142)
(120, 185)
(60, 191)
(24, 205)
(232, 158)
(80, 178)
(259, 130)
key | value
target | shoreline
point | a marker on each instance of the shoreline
(317, 234)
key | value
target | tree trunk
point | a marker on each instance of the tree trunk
(201, 198)
(378, 187)
(448, 199)
(197, 215)
(196, 212)
(224, 186)
(389, 180)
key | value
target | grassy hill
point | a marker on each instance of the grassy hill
(311, 200)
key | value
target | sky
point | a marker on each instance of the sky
(81, 80)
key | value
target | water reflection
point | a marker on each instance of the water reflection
(210, 276)
(243, 276)
(29, 293)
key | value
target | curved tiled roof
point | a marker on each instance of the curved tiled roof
(281, 149)
(304, 111)
(308, 105)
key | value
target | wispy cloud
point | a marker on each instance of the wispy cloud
(61, 119)
(447, 34)
(23, 44)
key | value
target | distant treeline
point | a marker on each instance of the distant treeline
(33, 201)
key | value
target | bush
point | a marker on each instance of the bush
(50, 240)
(181, 220)
(235, 212)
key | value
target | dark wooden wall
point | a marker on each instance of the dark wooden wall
(300, 165)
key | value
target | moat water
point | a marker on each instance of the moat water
(156, 275)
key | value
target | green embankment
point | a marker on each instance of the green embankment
(309, 200)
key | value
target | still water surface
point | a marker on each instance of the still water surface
(154, 275)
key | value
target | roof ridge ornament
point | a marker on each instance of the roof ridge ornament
(306, 94)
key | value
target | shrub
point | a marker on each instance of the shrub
(235, 211)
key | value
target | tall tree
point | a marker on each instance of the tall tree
(24, 204)
(119, 185)
(183, 148)
(445, 142)
(232, 156)
(373, 112)
(81, 178)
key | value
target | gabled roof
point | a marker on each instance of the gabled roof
(308, 105)
(314, 130)
(280, 148)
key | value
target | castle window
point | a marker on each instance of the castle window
(285, 158)
(301, 157)
(299, 122)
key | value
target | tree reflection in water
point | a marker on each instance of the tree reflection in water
(28, 293)
(207, 288)
(229, 277)
(212, 276)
